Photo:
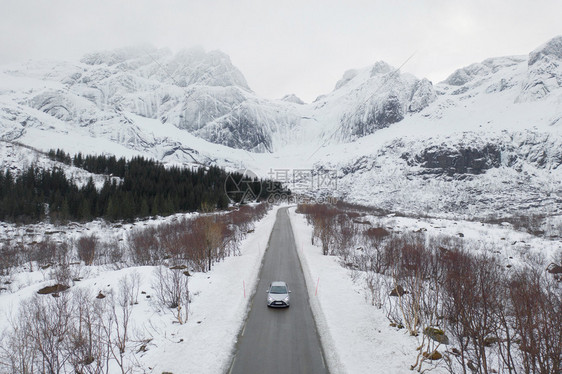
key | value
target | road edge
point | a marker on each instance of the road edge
(331, 357)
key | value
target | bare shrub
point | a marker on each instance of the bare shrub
(199, 241)
(116, 254)
(345, 235)
(473, 288)
(46, 320)
(172, 291)
(245, 215)
(62, 274)
(86, 342)
(509, 357)
(537, 303)
(323, 220)
(212, 234)
(130, 284)
(409, 272)
(439, 289)
(553, 226)
(9, 258)
(45, 252)
(73, 332)
(109, 252)
(144, 247)
(392, 311)
(116, 324)
(17, 355)
(63, 253)
(87, 246)
(376, 290)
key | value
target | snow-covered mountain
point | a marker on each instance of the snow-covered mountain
(202, 93)
(485, 140)
(375, 97)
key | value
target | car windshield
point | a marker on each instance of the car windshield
(278, 289)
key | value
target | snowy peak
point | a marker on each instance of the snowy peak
(188, 66)
(534, 78)
(551, 49)
(480, 70)
(360, 76)
(194, 66)
(381, 68)
(377, 96)
(347, 76)
(112, 57)
(292, 98)
(200, 92)
(544, 75)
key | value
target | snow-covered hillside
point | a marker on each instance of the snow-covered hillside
(487, 140)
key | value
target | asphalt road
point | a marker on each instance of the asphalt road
(280, 340)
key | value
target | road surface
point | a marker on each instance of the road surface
(280, 340)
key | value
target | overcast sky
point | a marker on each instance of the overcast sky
(287, 46)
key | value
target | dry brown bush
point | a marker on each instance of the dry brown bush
(144, 246)
(537, 305)
(87, 246)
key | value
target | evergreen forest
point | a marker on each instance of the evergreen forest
(133, 188)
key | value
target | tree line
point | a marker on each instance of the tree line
(134, 188)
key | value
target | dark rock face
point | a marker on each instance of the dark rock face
(389, 112)
(461, 160)
(423, 94)
(243, 134)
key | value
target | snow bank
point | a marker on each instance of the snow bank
(356, 337)
(219, 307)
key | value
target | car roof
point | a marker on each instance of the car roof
(278, 283)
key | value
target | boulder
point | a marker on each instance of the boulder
(55, 289)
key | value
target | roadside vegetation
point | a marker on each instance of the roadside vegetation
(469, 311)
(65, 328)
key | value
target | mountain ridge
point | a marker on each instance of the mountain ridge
(199, 109)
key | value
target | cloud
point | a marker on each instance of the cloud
(300, 47)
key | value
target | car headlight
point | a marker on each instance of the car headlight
(269, 298)
(286, 299)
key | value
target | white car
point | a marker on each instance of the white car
(278, 295)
